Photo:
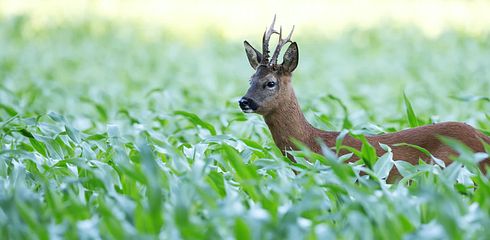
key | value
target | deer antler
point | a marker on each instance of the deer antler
(281, 44)
(265, 42)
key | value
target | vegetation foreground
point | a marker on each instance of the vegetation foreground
(112, 131)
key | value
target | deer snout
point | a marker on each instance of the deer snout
(247, 105)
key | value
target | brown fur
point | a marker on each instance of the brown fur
(287, 122)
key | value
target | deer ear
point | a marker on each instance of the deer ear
(254, 56)
(291, 58)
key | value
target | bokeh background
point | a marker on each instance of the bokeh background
(189, 54)
(367, 53)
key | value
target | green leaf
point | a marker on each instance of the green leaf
(10, 110)
(424, 151)
(421, 149)
(217, 183)
(197, 121)
(346, 124)
(383, 165)
(73, 133)
(412, 118)
(38, 146)
(368, 152)
(339, 140)
(466, 154)
(405, 169)
(471, 98)
(26, 133)
(242, 231)
(246, 174)
(57, 117)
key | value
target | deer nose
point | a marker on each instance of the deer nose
(247, 104)
(243, 103)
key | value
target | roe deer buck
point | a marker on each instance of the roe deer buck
(271, 95)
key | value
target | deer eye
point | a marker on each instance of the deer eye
(271, 84)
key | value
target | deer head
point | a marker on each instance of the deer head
(270, 85)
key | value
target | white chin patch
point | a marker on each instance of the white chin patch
(248, 111)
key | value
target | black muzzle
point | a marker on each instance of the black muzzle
(247, 105)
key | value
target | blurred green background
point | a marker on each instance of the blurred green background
(364, 52)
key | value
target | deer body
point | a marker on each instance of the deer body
(287, 123)
(271, 94)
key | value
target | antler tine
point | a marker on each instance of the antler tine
(281, 44)
(265, 41)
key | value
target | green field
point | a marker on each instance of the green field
(114, 131)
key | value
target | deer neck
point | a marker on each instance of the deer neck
(288, 122)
